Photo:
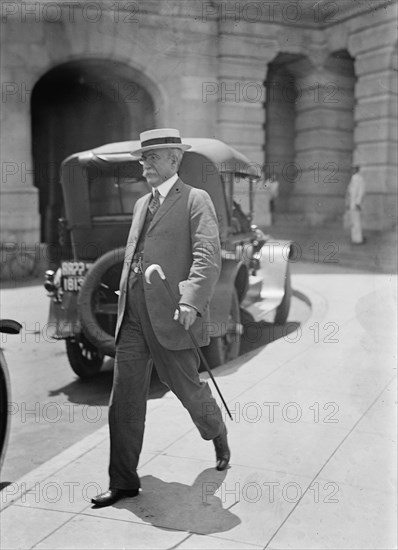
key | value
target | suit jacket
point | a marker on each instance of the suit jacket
(183, 238)
(355, 191)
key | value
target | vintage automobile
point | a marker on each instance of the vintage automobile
(100, 188)
(7, 326)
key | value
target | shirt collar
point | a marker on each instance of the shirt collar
(165, 187)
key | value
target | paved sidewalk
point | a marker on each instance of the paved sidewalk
(313, 447)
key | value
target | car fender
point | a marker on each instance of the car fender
(63, 319)
(8, 326)
(274, 259)
(233, 275)
(5, 401)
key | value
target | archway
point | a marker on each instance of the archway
(340, 100)
(282, 94)
(309, 133)
(77, 106)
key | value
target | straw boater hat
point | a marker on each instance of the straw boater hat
(159, 139)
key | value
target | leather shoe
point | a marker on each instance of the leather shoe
(113, 495)
(223, 454)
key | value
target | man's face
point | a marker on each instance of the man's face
(158, 166)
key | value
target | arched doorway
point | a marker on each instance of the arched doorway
(77, 106)
(309, 134)
(340, 70)
(282, 94)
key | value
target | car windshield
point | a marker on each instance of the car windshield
(115, 189)
(238, 189)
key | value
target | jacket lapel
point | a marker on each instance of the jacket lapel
(172, 197)
(135, 230)
(142, 213)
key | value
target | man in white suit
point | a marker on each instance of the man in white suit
(354, 197)
(176, 227)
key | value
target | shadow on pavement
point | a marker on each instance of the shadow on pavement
(182, 507)
(258, 335)
(96, 391)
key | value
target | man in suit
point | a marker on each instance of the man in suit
(176, 227)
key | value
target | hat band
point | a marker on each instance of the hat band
(157, 141)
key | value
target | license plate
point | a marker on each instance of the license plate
(73, 274)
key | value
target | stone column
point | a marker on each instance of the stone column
(375, 150)
(376, 135)
(19, 199)
(19, 211)
(324, 139)
(241, 97)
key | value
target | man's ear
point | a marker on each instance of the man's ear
(174, 161)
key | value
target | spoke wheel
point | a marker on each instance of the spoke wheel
(84, 358)
(98, 301)
(225, 348)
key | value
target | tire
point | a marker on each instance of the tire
(225, 348)
(97, 301)
(8, 326)
(5, 398)
(84, 358)
(282, 311)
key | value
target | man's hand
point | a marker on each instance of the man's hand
(186, 315)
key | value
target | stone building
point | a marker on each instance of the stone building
(304, 88)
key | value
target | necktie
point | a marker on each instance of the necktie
(154, 202)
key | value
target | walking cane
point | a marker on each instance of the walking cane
(148, 273)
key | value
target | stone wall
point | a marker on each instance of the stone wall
(205, 71)
(371, 40)
(171, 61)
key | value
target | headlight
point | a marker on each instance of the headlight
(49, 281)
(52, 283)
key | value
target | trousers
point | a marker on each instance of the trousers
(356, 226)
(177, 369)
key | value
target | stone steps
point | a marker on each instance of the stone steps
(330, 244)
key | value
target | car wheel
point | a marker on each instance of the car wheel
(225, 348)
(84, 358)
(4, 400)
(97, 301)
(282, 311)
(8, 326)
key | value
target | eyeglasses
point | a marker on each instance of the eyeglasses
(151, 158)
